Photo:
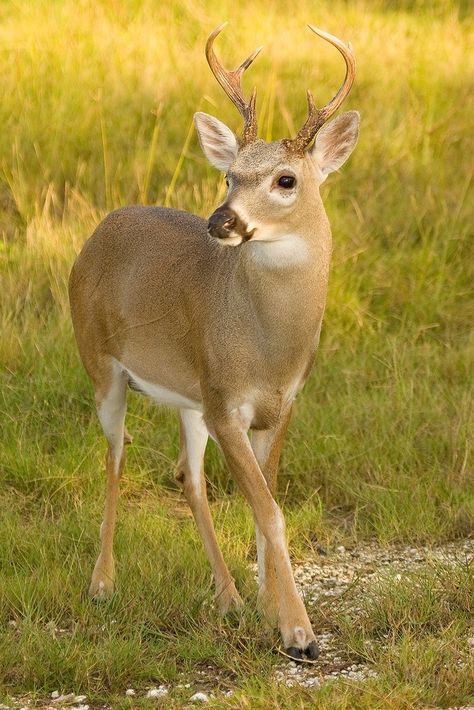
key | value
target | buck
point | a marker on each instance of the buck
(221, 320)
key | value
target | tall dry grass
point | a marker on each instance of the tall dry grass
(96, 111)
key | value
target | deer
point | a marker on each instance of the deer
(219, 319)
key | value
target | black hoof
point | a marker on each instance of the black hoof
(312, 651)
(295, 653)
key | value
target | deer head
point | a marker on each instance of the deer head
(272, 185)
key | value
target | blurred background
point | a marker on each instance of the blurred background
(96, 112)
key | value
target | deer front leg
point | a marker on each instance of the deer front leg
(295, 627)
(267, 445)
(190, 474)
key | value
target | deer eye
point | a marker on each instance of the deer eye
(287, 181)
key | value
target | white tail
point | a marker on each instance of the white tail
(220, 319)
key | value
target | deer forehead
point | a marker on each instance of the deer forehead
(258, 159)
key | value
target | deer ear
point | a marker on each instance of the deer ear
(219, 144)
(335, 142)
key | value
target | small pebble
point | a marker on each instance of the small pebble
(199, 698)
(130, 692)
(157, 692)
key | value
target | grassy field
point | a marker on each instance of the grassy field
(96, 112)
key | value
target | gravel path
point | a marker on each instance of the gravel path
(327, 577)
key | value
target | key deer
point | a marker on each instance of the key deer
(221, 320)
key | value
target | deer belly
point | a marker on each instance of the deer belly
(160, 394)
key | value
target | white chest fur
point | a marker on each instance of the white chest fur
(287, 250)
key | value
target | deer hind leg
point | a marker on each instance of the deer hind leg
(190, 474)
(267, 445)
(111, 408)
(295, 627)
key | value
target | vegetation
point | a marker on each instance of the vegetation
(96, 112)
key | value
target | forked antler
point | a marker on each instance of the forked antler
(318, 116)
(231, 83)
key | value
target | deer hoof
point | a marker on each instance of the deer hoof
(311, 652)
(102, 585)
(229, 602)
(100, 591)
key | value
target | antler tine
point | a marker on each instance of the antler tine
(231, 83)
(317, 117)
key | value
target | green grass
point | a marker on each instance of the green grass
(96, 110)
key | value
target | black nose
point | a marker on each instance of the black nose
(221, 223)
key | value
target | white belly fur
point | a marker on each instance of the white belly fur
(160, 394)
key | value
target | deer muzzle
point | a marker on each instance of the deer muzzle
(224, 223)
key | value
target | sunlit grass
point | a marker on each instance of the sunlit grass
(96, 112)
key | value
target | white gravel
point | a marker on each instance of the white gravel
(199, 698)
(329, 576)
(160, 692)
(320, 579)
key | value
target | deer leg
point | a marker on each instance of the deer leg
(295, 627)
(190, 474)
(111, 409)
(267, 445)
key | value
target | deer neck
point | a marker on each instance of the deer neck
(285, 279)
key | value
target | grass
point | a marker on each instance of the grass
(97, 103)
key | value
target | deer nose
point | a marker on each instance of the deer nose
(221, 223)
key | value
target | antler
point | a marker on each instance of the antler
(317, 117)
(231, 83)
